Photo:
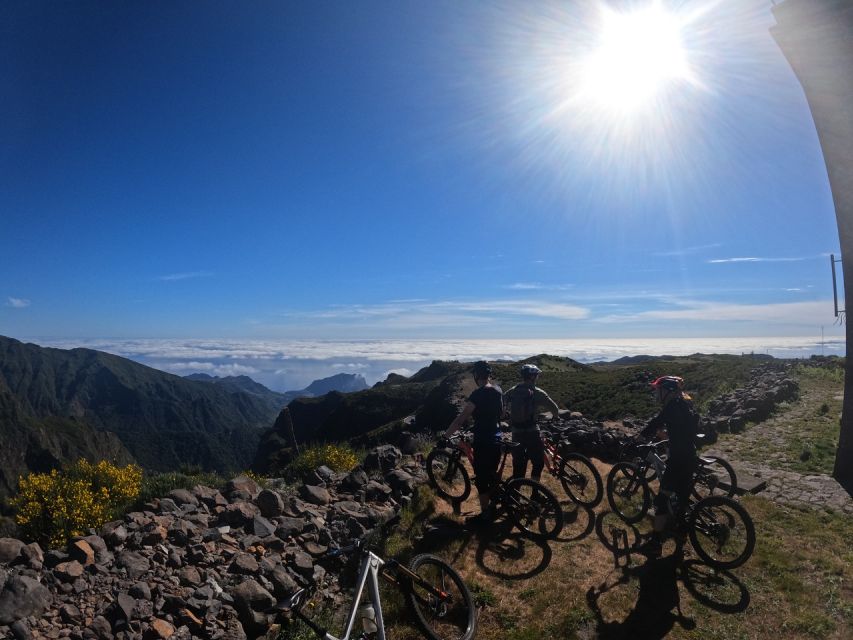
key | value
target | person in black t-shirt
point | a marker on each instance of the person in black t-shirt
(678, 421)
(485, 405)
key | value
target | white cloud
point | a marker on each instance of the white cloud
(417, 314)
(214, 368)
(807, 314)
(687, 250)
(538, 286)
(17, 303)
(348, 365)
(732, 260)
(186, 275)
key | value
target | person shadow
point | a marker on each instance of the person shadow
(658, 605)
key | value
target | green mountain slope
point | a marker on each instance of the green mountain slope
(75, 398)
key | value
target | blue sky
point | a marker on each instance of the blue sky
(423, 170)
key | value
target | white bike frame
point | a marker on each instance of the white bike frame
(368, 576)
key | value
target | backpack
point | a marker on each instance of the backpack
(522, 404)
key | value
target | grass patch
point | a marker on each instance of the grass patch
(483, 596)
(158, 485)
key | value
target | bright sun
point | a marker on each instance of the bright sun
(635, 56)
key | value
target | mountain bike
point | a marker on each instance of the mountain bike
(629, 491)
(529, 505)
(720, 529)
(576, 473)
(433, 591)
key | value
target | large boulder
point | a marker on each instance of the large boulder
(22, 597)
(10, 549)
(252, 601)
(383, 458)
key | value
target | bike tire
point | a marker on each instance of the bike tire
(628, 492)
(721, 531)
(533, 508)
(448, 475)
(452, 618)
(714, 479)
(581, 480)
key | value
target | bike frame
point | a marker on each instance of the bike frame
(552, 455)
(367, 577)
(653, 459)
(463, 446)
(372, 566)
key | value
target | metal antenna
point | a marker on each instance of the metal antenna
(839, 313)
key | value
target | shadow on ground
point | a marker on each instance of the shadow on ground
(657, 608)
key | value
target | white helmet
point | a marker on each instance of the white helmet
(530, 371)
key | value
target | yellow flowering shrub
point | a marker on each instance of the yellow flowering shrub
(336, 457)
(52, 507)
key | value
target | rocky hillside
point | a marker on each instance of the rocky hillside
(206, 563)
(378, 414)
(56, 405)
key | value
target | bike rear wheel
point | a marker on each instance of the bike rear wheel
(440, 600)
(627, 492)
(580, 479)
(533, 508)
(448, 475)
(721, 531)
(715, 478)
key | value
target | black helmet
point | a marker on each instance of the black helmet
(482, 369)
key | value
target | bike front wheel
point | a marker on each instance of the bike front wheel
(448, 475)
(581, 480)
(721, 532)
(714, 478)
(440, 600)
(627, 492)
(533, 508)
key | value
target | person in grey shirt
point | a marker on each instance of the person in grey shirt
(522, 402)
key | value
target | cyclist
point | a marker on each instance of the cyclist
(522, 401)
(485, 404)
(678, 421)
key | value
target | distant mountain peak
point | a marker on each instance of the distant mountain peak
(343, 382)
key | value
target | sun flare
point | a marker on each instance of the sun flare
(636, 55)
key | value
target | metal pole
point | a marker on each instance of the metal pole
(834, 286)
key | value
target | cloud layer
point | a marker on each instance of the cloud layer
(293, 364)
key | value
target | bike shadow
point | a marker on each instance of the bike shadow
(510, 555)
(578, 522)
(715, 588)
(658, 605)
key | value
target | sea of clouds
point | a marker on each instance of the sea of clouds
(284, 365)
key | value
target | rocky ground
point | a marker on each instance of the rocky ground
(205, 563)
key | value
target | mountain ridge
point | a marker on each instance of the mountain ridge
(57, 405)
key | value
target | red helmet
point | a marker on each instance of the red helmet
(668, 383)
